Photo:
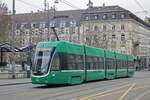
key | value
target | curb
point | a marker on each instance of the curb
(14, 84)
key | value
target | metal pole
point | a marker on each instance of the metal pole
(48, 23)
(44, 5)
(1, 57)
(13, 40)
(89, 18)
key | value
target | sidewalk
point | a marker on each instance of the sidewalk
(5, 82)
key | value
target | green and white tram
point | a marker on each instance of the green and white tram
(69, 63)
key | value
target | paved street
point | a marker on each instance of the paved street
(136, 88)
(5, 82)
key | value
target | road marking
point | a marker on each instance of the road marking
(122, 91)
(88, 97)
(141, 95)
(102, 94)
(126, 92)
(109, 94)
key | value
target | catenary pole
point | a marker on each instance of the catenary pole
(48, 22)
(13, 40)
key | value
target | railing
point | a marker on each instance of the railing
(8, 75)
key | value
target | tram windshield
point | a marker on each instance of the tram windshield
(42, 61)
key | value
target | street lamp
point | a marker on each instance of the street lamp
(13, 40)
(48, 22)
(56, 1)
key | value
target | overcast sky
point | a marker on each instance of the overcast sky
(138, 7)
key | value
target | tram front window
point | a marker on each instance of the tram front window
(42, 61)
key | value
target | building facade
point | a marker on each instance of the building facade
(108, 27)
(115, 29)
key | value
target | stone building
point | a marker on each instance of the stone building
(147, 20)
(33, 27)
(108, 27)
(116, 29)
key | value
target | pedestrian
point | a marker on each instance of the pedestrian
(28, 71)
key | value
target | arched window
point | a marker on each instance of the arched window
(113, 48)
(113, 27)
(95, 28)
(113, 37)
(122, 27)
(113, 16)
(123, 49)
(104, 37)
(104, 27)
(105, 16)
(96, 17)
(122, 16)
(122, 37)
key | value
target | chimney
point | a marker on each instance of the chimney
(103, 4)
(38, 11)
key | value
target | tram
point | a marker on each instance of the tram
(69, 63)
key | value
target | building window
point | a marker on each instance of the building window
(33, 25)
(86, 18)
(52, 24)
(122, 27)
(104, 37)
(104, 27)
(113, 16)
(123, 49)
(87, 29)
(87, 38)
(24, 25)
(105, 16)
(73, 24)
(95, 28)
(113, 48)
(122, 16)
(62, 24)
(113, 37)
(96, 17)
(42, 25)
(122, 37)
(113, 27)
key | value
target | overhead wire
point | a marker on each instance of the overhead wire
(138, 3)
(63, 1)
(69, 4)
(29, 4)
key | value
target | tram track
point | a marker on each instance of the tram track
(75, 92)
(81, 90)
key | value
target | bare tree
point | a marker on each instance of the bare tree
(4, 20)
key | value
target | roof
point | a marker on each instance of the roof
(106, 9)
(6, 47)
(68, 15)
(43, 15)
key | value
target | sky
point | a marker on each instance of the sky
(139, 7)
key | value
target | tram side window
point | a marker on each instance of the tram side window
(107, 63)
(71, 61)
(110, 63)
(63, 61)
(89, 61)
(55, 63)
(119, 64)
(101, 63)
(94, 62)
(113, 63)
(74, 62)
(79, 62)
(131, 65)
(124, 64)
